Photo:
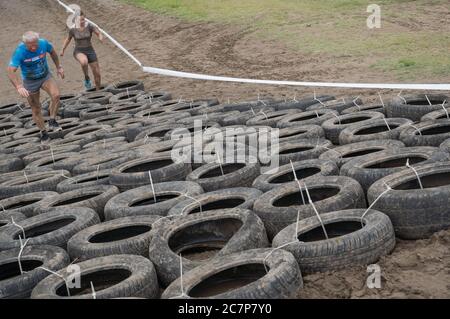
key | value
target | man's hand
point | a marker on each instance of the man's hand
(60, 72)
(23, 92)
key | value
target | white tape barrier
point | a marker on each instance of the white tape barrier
(179, 74)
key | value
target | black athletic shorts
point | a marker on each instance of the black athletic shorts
(89, 52)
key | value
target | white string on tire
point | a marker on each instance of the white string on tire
(153, 187)
(58, 275)
(388, 188)
(415, 172)
(445, 109)
(196, 76)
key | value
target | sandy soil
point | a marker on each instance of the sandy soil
(416, 269)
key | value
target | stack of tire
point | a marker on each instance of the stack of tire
(107, 209)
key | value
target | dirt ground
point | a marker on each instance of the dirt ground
(416, 269)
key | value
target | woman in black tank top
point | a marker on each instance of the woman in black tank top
(84, 52)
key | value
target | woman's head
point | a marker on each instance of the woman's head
(82, 18)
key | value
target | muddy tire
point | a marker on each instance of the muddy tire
(228, 231)
(302, 104)
(37, 182)
(10, 164)
(210, 178)
(349, 243)
(127, 96)
(125, 86)
(415, 213)
(59, 161)
(123, 236)
(368, 169)
(431, 133)
(152, 97)
(316, 117)
(11, 108)
(280, 207)
(140, 201)
(377, 130)
(101, 98)
(75, 109)
(413, 107)
(368, 107)
(94, 197)
(336, 105)
(25, 204)
(282, 281)
(103, 162)
(307, 169)
(437, 115)
(54, 228)
(334, 127)
(239, 197)
(6, 218)
(16, 286)
(269, 118)
(301, 150)
(135, 173)
(117, 276)
(345, 153)
(295, 133)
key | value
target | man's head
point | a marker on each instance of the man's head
(31, 40)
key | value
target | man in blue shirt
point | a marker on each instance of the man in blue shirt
(31, 57)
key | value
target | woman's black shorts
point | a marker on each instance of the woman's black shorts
(89, 52)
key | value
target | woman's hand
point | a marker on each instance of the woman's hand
(62, 53)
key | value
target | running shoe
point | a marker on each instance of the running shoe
(54, 126)
(88, 84)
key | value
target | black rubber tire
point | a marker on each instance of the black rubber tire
(346, 247)
(94, 197)
(11, 108)
(301, 150)
(42, 181)
(11, 147)
(104, 145)
(7, 217)
(84, 180)
(345, 153)
(108, 132)
(127, 96)
(132, 276)
(15, 285)
(340, 192)
(229, 231)
(75, 109)
(152, 97)
(415, 213)
(7, 117)
(123, 236)
(102, 162)
(430, 133)
(124, 204)
(27, 133)
(437, 115)
(49, 232)
(377, 130)
(101, 98)
(163, 169)
(239, 197)
(125, 86)
(283, 281)
(445, 146)
(45, 151)
(334, 127)
(270, 118)
(94, 112)
(415, 106)
(158, 131)
(59, 161)
(366, 107)
(295, 133)
(111, 119)
(193, 108)
(25, 204)
(232, 118)
(305, 170)
(10, 164)
(243, 176)
(302, 104)
(130, 109)
(316, 117)
(87, 132)
(368, 169)
(336, 105)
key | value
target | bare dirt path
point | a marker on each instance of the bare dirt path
(416, 269)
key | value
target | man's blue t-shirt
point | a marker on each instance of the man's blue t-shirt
(32, 64)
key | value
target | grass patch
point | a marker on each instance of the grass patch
(335, 28)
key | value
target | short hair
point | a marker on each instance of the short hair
(30, 36)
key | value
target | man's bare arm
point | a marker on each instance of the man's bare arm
(15, 81)
(55, 59)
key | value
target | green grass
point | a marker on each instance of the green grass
(332, 27)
